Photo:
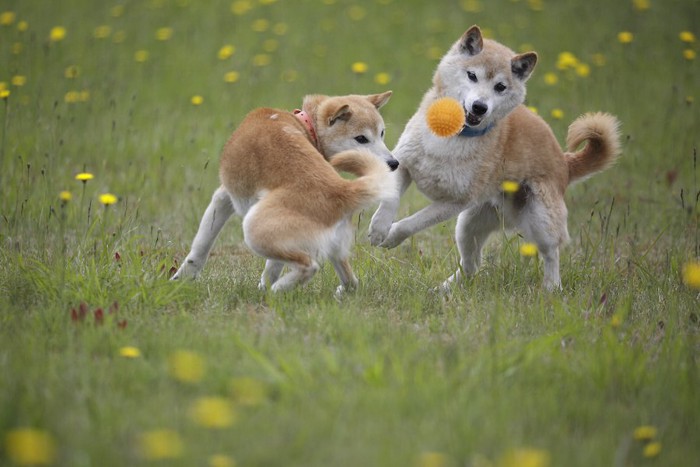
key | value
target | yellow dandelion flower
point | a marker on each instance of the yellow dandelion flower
(260, 25)
(160, 444)
(17, 48)
(107, 199)
(7, 18)
(231, 76)
(213, 412)
(22, 26)
(4, 94)
(528, 249)
(3, 85)
(583, 70)
(129, 352)
(262, 60)
(509, 186)
(71, 97)
(625, 37)
(65, 196)
(141, 56)
(382, 78)
(644, 433)
(567, 60)
(164, 34)
(57, 33)
(226, 51)
(84, 96)
(197, 100)
(689, 54)
(689, 99)
(71, 72)
(84, 176)
(615, 321)
(241, 7)
(116, 11)
(102, 32)
(686, 36)
(551, 78)
(557, 114)
(471, 6)
(536, 5)
(431, 459)
(691, 275)
(359, 68)
(18, 80)
(641, 5)
(652, 450)
(28, 446)
(248, 391)
(185, 366)
(526, 457)
(270, 45)
(220, 460)
(356, 13)
(533, 109)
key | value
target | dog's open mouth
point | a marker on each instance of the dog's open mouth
(473, 120)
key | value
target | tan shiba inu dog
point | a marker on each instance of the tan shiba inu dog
(501, 141)
(278, 172)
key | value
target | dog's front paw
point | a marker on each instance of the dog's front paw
(395, 237)
(379, 230)
(189, 270)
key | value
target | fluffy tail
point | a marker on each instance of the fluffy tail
(600, 132)
(374, 182)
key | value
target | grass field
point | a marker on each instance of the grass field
(104, 362)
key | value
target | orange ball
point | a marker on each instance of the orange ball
(445, 117)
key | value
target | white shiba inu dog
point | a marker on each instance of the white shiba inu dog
(501, 141)
(278, 172)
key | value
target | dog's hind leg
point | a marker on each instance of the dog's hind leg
(302, 269)
(285, 238)
(215, 216)
(271, 274)
(474, 226)
(348, 280)
(543, 222)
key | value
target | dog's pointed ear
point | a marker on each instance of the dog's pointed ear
(379, 100)
(343, 113)
(472, 42)
(523, 64)
(312, 102)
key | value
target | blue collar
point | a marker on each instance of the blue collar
(469, 132)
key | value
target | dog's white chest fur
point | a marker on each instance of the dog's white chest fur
(443, 169)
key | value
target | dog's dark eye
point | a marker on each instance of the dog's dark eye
(382, 134)
(499, 87)
(472, 76)
(362, 139)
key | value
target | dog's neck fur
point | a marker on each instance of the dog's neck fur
(306, 121)
(470, 132)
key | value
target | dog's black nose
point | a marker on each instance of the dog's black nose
(393, 164)
(479, 108)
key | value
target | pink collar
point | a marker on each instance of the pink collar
(306, 120)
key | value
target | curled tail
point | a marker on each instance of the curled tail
(374, 182)
(600, 131)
